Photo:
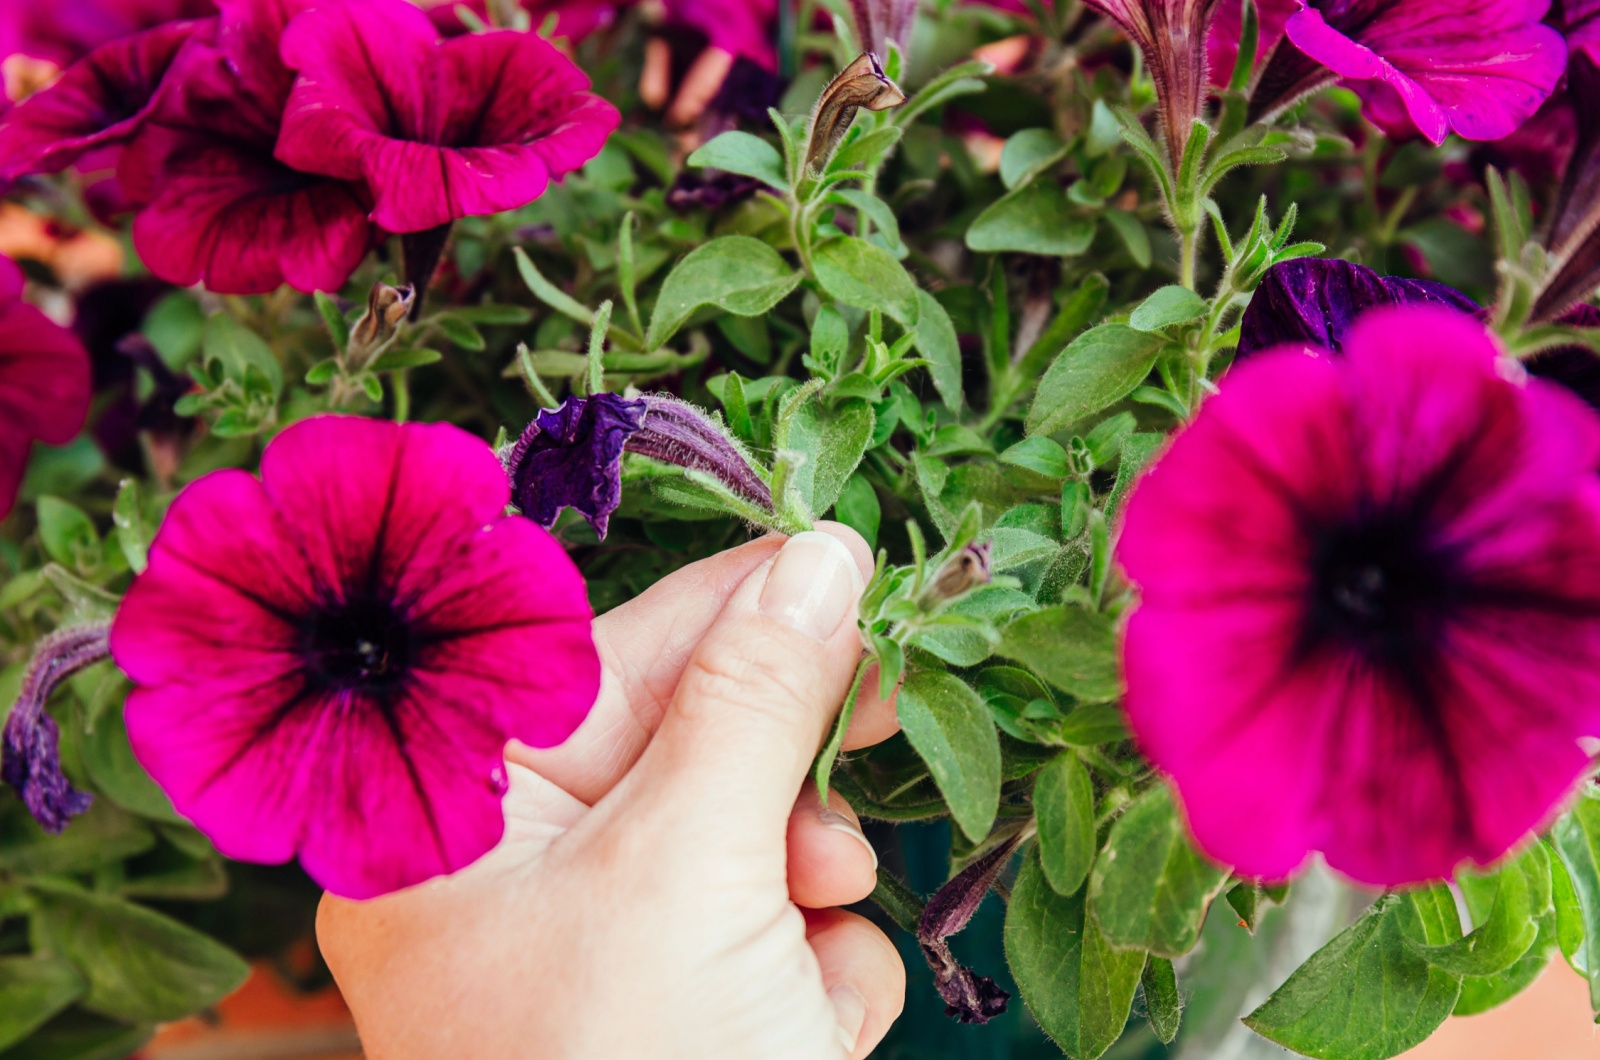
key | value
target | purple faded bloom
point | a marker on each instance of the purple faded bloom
(1172, 35)
(101, 99)
(1574, 239)
(217, 207)
(571, 456)
(437, 129)
(1369, 604)
(329, 660)
(1315, 302)
(968, 997)
(1479, 68)
(44, 382)
(30, 760)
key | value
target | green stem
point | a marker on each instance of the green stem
(899, 901)
(402, 395)
(1187, 264)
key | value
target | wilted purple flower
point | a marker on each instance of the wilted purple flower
(1313, 301)
(32, 755)
(968, 997)
(1172, 35)
(1477, 67)
(571, 456)
(1574, 239)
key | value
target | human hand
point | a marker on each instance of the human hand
(646, 900)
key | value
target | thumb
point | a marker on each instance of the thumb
(758, 694)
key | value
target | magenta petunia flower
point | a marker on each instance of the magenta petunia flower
(101, 99)
(1580, 21)
(218, 207)
(329, 660)
(438, 129)
(44, 382)
(64, 32)
(1479, 68)
(1369, 606)
(571, 456)
(1172, 35)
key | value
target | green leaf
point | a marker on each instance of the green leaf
(1366, 995)
(866, 150)
(1135, 237)
(1040, 455)
(1502, 935)
(332, 319)
(1576, 839)
(867, 277)
(238, 349)
(103, 836)
(117, 774)
(1151, 888)
(1481, 891)
(549, 293)
(833, 439)
(1063, 804)
(141, 966)
(174, 326)
(742, 153)
(489, 313)
(67, 534)
(1137, 450)
(1093, 725)
(970, 644)
(460, 332)
(936, 340)
(1169, 306)
(406, 357)
(1569, 914)
(105, 1042)
(858, 508)
(950, 728)
(1162, 1004)
(322, 372)
(1078, 988)
(737, 274)
(1072, 648)
(1099, 368)
(33, 989)
(879, 212)
(1027, 154)
(133, 534)
(1036, 219)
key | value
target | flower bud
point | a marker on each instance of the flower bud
(861, 84)
(963, 572)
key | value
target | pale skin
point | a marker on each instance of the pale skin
(668, 884)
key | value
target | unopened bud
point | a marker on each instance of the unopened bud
(963, 572)
(861, 84)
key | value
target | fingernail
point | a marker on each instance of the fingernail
(812, 585)
(850, 1011)
(840, 823)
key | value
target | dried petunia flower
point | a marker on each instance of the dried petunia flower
(1479, 68)
(1369, 605)
(329, 660)
(217, 207)
(101, 99)
(1172, 34)
(571, 456)
(30, 749)
(437, 129)
(44, 382)
(968, 997)
(860, 84)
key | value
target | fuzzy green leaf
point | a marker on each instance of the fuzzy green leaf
(1035, 219)
(1063, 804)
(1099, 368)
(742, 153)
(949, 725)
(32, 989)
(936, 341)
(866, 276)
(737, 274)
(1072, 648)
(1169, 306)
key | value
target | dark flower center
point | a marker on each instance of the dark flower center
(1378, 586)
(361, 644)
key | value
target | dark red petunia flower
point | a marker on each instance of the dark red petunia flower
(1172, 34)
(1574, 234)
(218, 207)
(44, 382)
(438, 129)
(64, 31)
(329, 660)
(101, 99)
